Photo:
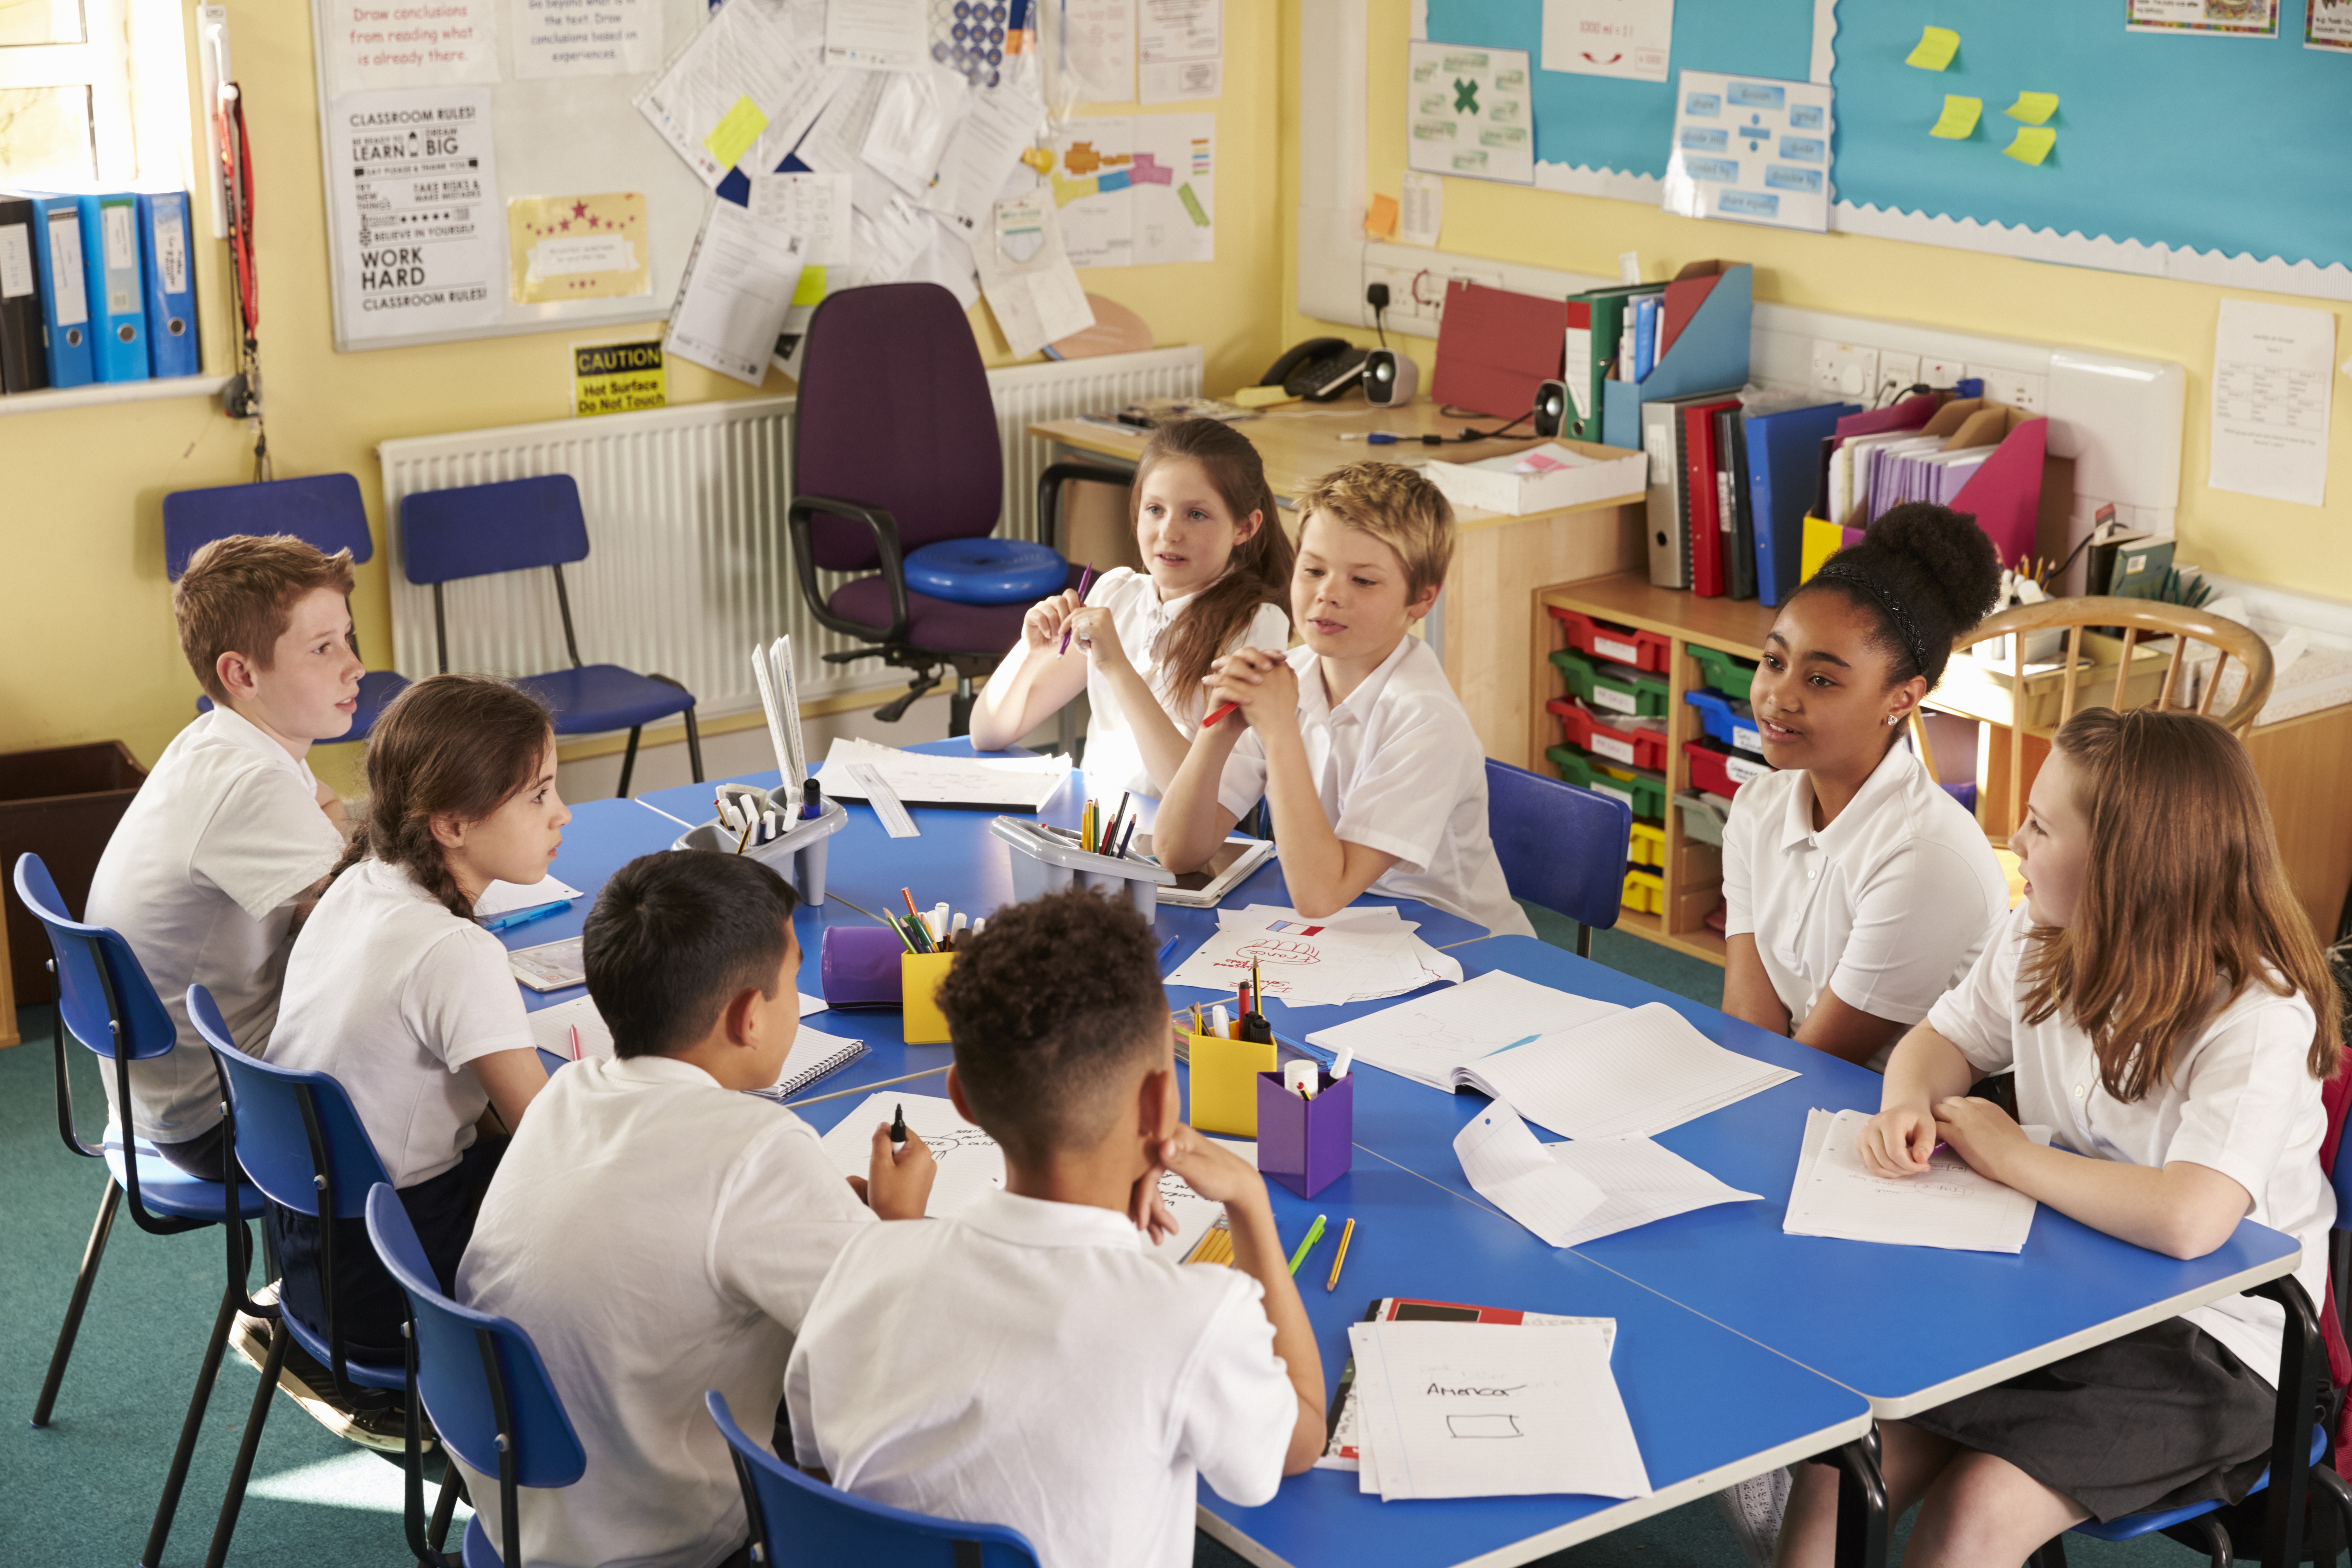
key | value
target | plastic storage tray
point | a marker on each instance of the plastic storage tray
(1727, 673)
(1728, 721)
(1702, 815)
(1645, 892)
(1615, 688)
(1644, 791)
(1643, 650)
(1043, 862)
(1718, 770)
(797, 855)
(1628, 748)
(1647, 846)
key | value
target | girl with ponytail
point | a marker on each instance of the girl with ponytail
(396, 993)
(1217, 575)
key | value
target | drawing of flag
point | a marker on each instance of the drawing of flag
(1295, 926)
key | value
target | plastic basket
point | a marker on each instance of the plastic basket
(1643, 791)
(1718, 770)
(1630, 747)
(1727, 673)
(1613, 688)
(1726, 721)
(1603, 639)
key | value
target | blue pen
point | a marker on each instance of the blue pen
(1515, 1045)
(513, 917)
(1166, 948)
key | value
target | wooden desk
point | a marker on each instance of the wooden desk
(1500, 562)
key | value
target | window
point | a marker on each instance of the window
(92, 90)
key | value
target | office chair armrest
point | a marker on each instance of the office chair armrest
(885, 529)
(1049, 493)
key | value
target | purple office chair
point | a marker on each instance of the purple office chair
(895, 448)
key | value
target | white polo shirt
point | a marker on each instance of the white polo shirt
(201, 877)
(2241, 1101)
(657, 1234)
(1143, 620)
(1887, 906)
(1033, 1364)
(1398, 769)
(394, 997)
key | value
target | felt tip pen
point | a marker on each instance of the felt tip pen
(575, 1042)
(1314, 1235)
(1218, 714)
(1341, 1063)
(899, 1127)
(812, 800)
(1085, 581)
(1165, 949)
(514, 918)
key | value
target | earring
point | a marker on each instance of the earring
(1893, 720)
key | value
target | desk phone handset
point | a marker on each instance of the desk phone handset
(1319, 369)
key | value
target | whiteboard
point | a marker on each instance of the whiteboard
(562, 136)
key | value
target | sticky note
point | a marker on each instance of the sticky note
(1959, 122)
(1934, 49)
(2033, 108)
(812, 287)
(2033, 144)
(1039, 159)
(733, 135)
(1380, 220)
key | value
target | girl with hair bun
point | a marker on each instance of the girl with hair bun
(1857, 890)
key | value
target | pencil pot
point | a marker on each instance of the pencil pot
(1304, 1144)
(797, 855)
(1043, 862)
(1224, 1083)
(920, 974)
(858, 966)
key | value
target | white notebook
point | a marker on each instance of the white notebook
(1950, 1205)
(813, 1055)
(1635, 1073)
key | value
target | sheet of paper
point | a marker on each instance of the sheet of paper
(504, 897)
(2031, 144)
(2328, 25)
(1633, 1074)
(1089, 50)
(1180, 50)
(738, 283)
(1959, 120)
(2272, 393)
(836, 143)
(370, 46)
(1627, 38)
(1352, 956)
(1022, 783)
(1458, 1410)
(1137, 190)
(550, 1031)
(2033, 108)
(577, 248)
(1750, 149)
(1569, 1193)
(420, 236)
(1426, 1039)
(877, 35)
(814, 207)
(947, 261)
(2226, 18)
(586, 38)
(1467, 112)
(1950, 1206)
(913, 118)
(720, 94)
(1423, 209)
(1026, 275)
(986, 149)
(1934, 49)
(1343, 1448)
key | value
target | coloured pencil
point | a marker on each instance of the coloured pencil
(1085, 581)
(1347, 1234)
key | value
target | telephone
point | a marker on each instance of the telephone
(1319, 369)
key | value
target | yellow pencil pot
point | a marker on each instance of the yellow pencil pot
(1224, 1083)
(920, 974)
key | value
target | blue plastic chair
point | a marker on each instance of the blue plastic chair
(828, 1528)
(301, 1141)
(106, 1003)
(481, 1380)
(1561, 845)
(323, 510)
(479, 530)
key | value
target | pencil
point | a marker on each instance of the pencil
(1347, 1234)
(1314, 1235)
(900, 932)
(1085, 581)
(746, 836)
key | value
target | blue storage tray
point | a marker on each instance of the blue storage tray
(1725, 722)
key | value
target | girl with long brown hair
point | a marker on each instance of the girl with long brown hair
(2167, 1010)
(1216, 575)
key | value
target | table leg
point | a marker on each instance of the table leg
(1861, 1521)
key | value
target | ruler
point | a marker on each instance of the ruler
(885, 802)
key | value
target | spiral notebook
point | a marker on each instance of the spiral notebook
(814, 1056)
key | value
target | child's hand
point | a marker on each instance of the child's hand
(1151, 1217)
(1214, 1172)
(1091, 629)
(898, 1176)
(1042, 627)
(1263, 683)
(1980, 1131)
(1897, 1141)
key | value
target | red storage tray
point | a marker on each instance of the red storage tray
(1643, 650)
(1721, 769)
(1626, 748)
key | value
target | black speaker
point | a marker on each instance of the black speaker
(1550, 413)
(1390, 378)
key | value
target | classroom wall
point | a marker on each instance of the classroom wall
(2307, 549)
(86, 646)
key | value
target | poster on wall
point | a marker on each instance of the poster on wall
(1627, 38)
(1751, 151)
(420, 241)
(375, 43)
(586, 38)
(2328, 25)
(577, 248)
(1138, 191)
(1467, 112)
(2219, 18)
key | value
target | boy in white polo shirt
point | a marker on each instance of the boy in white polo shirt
(231, 832)
(1034, 1363)
(1377, 782)
(659, 1233)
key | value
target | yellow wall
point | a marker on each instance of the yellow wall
(2306, 548)
(86, 646)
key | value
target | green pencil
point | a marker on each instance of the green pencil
(1314, 1235)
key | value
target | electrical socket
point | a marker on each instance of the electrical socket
(2022, 390)
(1844, 369)
(1942, 373)
(1897, 371)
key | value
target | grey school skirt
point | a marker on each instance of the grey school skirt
(2159, 1418)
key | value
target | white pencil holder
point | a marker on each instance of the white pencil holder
(797, 855)
(1043, 862)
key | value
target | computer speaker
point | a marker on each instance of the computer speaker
(1390, 378)
(1550, 412)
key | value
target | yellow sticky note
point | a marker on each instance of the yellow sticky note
(1381, 219)
(811, 289)
(732, 136)
(1959, 122)
(2033, 144)
(2033, 108)
(1039, 159)
(1934, 49)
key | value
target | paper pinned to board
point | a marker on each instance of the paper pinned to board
(877, 35)
(1421, 209)
(1027, 275)
(1934, 49)
(2271, 398)
(916, 114)
(1950, 1205)
(1180, 50)
(985, 151)
(1088, 47)
(1629, 40)
(739, 284)
(577, 248)
(1959, 120)
(1569, 1193)
(747, 53)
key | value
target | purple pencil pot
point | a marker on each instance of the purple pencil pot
(1306, 1144)
(858, 966)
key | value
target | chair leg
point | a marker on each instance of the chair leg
(445, 1507)
(628, 763)
(2051, 1554)
(693, 746)
(234, 1502)
(2217, 1539)
(191, 1429)
(1583, 940)
(959, 708)
(90, 1255)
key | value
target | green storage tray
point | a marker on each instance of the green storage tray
(1617, 688)
(1642, 789)
(1730, 676)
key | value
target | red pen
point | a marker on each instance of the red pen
(575, 1042)
(1085, 581)
(1218, 714)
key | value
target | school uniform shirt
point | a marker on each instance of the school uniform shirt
(1398, 769)
(2240, 1101)
(1887, 906)
(1114, 761)
(394, 997)
(657, 1234)
(201, 877)
(1036, 1364)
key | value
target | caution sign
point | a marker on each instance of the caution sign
(613, 378)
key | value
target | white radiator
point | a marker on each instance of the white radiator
(687, 566)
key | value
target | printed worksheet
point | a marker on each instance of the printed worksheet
(1359, 954)
(1950, 1205)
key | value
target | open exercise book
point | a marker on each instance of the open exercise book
(1580, 1067)
(1569, 1193)
(1950, 1205)
(981, 783)
(814, 1054)
(1359, 954)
